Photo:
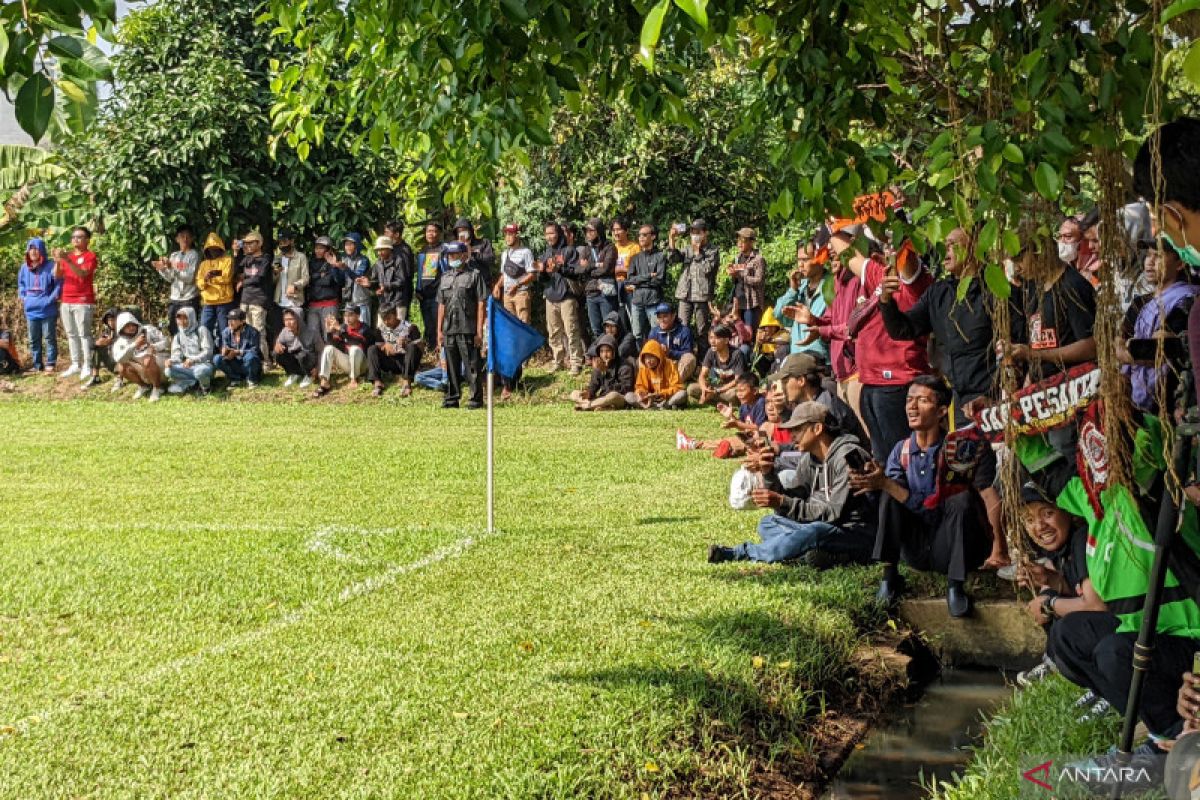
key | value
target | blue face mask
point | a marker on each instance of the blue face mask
(455, 263)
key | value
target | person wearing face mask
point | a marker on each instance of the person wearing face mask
(558, 263)
(1070, 237)
(462, 293)
(291, 272)
(698, 278)
(598, 257)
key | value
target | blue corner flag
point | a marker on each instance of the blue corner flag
(510, 341)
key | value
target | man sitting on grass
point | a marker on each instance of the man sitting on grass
(612, 379)
(920, 519)
(801, 377)
(746, 418)
(191, 361)
(722, 365)
(240, 356)
(658, 384)
(819, 517)
(345, 349)
(398, 352)
(140, 352)
(677, 340)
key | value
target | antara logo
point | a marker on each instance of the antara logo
(1044, 769)
(1086, 775)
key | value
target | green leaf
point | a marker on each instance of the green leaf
(515, 10)
(696, 9)
(3, 44)
(1191, 64)
(538, 135)
(1012, 153)
(1047, 181)
(964, 286)
(987, 239)
(1179, 7)
(83, 53)
(997, 281)
(35, 103)
(1012, 243)
(651, 31)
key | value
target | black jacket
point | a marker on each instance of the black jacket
(602, 264)
(619, 376)
(648, 275)
(557, 288)
(258, 279)
(325, 281)
(395, 278)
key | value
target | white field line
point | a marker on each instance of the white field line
(317, 606)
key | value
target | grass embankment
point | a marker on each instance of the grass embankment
(215, 598)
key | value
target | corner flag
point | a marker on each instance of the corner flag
(510, 341)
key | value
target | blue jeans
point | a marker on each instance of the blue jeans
(248, 367)
(40, 329)
(216, 318)
(751, 317)
(639, 322)
(187, 377)
(597, 307)
(786, 540)
(434, 379)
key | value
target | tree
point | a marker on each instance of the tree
(187, 138)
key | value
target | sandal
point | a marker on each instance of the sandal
(378, 392)
(320, 392)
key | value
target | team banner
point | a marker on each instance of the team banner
(1041, 407)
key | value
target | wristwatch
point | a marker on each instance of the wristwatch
(1048, 598)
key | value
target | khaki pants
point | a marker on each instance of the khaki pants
(613, 401)
(850, 392)
(256, 317)
(565, 333)
(353, 362)
(688, 366)
(729, 397)
(519, 305)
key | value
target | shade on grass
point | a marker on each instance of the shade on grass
(224, 599)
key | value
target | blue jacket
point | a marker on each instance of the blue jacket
(250, 343)
(37, 287)
(677, 342)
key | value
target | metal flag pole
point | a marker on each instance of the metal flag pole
(491, 427)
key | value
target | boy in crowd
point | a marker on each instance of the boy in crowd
(612, 379)
(722, 366)
(291, 273)
(10, 362)
(462, 292)
(345, 349)
(626, 344)
(39, 291)
(658, 384)
(191, 353)
(356, 267)
(255, 281)
(398, 352)
(644, 285)
(140, 352)
(820, 517)
(179, 270)
(102, 350)
(392, 273)
(429, 274)
(746, 418)
(240, 351)
(698, 277)
(676, 339)
(295, 350)
(325, 283)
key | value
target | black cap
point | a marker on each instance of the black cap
(1032, 492)
(236, 313)
(699, 224)
(288, 234)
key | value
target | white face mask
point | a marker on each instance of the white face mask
(695, 240)
(1010, 270)
(1068, 251)
(455, 263)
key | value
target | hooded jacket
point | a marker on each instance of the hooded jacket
(659, 383)
(822, 491)
(293, 273)
(325, 282)
(258, 279)
(214, 278)
(483, 255)
(180, 272)
(558, 289)
(601, 258)
(619, 376)
(124, 348)
(37, 287)
(357, 266)
(192, 342)
(394, 278)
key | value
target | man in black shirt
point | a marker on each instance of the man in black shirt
(462, 292)
(1053, 330)
(256, 281)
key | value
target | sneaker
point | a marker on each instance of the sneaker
(141, 392)
(1098, 710)
(1145, 771)
(251, 384)
(118, 384)
(306, 382)
(71, 370)
(1086, 699)
(1034, 674)
(291, 381)
(683, 441)
(155, 394)
(718, 554)
(85, 376)
(1007, 573)
(50, 370)
(724, 448)
(176, 388)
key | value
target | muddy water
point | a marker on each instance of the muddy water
(927, 738)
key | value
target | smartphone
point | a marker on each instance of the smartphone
(1147, 349)
(1196, 664)
(856, 460)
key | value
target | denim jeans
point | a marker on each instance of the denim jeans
(639, 322)
(216, 318)
(46, 329)
(785, 540)
(248, 367)
(597, 307)
(187, 377)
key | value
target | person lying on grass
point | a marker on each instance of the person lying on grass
(658, 384)
(817, 517)
(746, 419)
(612, 379)
(140, 352)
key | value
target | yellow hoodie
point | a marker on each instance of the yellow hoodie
(660, 383)
(214, 278)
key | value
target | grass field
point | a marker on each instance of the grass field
(214, 598)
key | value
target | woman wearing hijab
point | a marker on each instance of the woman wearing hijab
(39, 293)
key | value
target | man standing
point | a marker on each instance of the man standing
(564, 328)
(239, 352)
(214, 278)
(461, 297)
(77, 271)
(644, 284)
(697, 280)
(429, 274)
(749, 274)
(393, 274)
(482, 254)
(356, 267)
(324, 290)
(255, 273)
(180, 271)
(291, 277)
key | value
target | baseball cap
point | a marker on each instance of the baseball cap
(747, 233)
(253, 236)
(699, 224)
(612, 318)
(325, 240)
(454, 247)
(806, 413)
(287, 234)
(1032, 492)
(235, 313)
(797, 365)
(384, 243)
(663, 308)
(512, 227)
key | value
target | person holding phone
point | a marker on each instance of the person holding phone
(818, 517)
(214, 279)
(77, 271)
(696, 288)
(179, 270)
(564, 327)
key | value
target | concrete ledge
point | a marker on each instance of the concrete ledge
(998, 633)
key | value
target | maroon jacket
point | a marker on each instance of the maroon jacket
(833, 328)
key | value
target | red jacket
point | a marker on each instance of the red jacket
(832, 327)
(79, 288)
(882, 360)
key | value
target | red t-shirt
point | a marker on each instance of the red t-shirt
(882, 360)
(77, 289)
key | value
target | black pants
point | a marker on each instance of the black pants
(952, 541)
(429, 323)
(462, 359)
(883, 411)
(173, 309)
(292, 365)
(379, 362)
(9, 365)
(1090, 653)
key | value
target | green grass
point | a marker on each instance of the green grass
(169, 626)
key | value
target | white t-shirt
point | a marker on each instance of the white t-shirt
(523, 258)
